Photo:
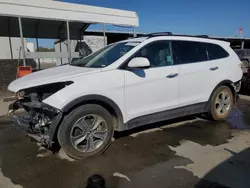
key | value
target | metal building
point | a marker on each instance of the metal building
(50, 20)
(55, 20)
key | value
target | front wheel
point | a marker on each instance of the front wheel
(221, 103)
(86, 131)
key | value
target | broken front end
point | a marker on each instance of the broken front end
(37, 118)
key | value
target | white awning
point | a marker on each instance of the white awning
(54, 10)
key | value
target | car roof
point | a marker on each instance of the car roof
(136, 39)
(177, 37)
(189, 38)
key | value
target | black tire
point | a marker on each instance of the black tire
(213, 114)
(64, 131)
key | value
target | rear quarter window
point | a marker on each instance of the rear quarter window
(215, 51)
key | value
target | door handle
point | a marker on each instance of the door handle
(214, 68)
(172, 75)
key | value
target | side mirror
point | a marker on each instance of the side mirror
(139, 62)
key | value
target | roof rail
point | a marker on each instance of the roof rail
(199, 36)
(150, 35)
(202, 36)
(157, 34)
(161, 34)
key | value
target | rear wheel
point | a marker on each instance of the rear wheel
(86, 131)
(221, 103)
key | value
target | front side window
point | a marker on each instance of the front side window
(215, 51)
(158, 53)
(188, 52)
(106, 56)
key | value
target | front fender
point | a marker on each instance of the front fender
(99, 99)
(101, 86)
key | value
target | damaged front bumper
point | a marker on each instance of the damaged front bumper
(39, 120)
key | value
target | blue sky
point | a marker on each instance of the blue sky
(210, 17)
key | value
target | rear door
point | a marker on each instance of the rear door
(219, 63)
(195, 77)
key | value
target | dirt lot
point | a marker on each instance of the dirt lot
(188, 152)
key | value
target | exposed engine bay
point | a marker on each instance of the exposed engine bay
(38, 117)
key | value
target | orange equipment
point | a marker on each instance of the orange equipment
(23, 70)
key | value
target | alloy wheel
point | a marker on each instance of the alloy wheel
(223, 103)
(89, 133)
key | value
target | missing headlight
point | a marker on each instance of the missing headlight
(43, 91)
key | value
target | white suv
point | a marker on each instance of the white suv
(125, 85)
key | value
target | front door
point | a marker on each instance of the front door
(152, 90)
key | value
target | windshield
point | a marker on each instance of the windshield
(106, 56)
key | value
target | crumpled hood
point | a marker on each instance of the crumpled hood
(52, 75)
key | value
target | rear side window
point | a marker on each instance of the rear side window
(188, 52)
(215, 51)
